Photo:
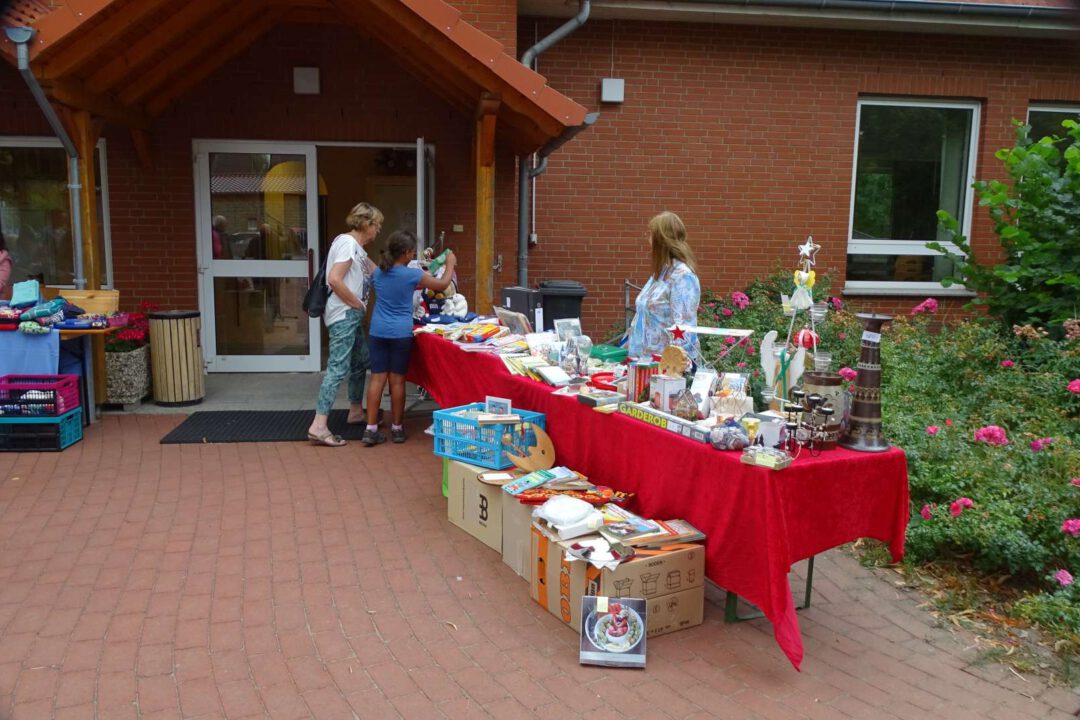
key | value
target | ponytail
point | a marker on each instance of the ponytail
(399, 243)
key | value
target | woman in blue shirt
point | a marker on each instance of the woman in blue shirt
(671, 295)
(390, 336)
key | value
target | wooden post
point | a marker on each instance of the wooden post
(484, 145)
(85, 137)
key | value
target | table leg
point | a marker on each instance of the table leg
(731, 600)
(88, 373)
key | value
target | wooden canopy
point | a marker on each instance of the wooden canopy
(127, 61)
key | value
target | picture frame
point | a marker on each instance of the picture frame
(567, 328)
(497, 405)
(517, 322)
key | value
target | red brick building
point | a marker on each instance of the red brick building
(760, 124)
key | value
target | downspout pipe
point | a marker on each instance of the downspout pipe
(525, 173)
(22, 36)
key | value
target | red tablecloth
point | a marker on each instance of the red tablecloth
(758, 521)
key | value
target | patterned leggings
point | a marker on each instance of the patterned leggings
(348, 356)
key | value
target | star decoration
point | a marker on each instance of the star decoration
(677, 333)
(809, 249)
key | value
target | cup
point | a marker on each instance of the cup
(819, 311)
(822, 361)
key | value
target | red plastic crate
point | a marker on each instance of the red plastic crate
(38, 395)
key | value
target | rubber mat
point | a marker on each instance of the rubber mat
(236, 426)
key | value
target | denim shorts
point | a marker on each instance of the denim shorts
(389, 354)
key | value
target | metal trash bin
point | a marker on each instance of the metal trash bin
(176, 358)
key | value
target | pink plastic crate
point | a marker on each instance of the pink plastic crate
(36, 395)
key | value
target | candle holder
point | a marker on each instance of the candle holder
(864, 431)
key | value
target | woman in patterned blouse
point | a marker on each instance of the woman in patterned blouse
(671, 295)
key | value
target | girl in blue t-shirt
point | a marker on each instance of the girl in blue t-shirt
(390, 337)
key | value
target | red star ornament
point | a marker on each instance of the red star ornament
(677, 333)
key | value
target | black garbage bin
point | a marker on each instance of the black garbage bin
(560, 299)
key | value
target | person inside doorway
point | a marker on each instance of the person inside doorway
(220, 239)
(348, 275)
(392, 326)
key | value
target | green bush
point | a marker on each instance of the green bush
(1037, 219)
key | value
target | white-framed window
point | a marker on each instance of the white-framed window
(1045, 119)
(35, 210)
(912, 158)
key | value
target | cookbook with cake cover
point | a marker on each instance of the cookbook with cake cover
(612, 631)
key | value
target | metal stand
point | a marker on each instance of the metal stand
(731, 600)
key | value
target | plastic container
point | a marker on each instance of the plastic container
(465, 439)
(608, 353)
(40, 434)
(38, 395)
(561, 299)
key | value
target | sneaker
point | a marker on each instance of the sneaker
(372, 437)
(397, 436)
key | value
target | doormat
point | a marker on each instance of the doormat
(236, 426)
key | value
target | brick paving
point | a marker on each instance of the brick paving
(140, 580)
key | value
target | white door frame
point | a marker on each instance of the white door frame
(209, 268)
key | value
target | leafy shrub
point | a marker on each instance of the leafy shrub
(1037, 219)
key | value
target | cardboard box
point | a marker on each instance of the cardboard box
(517, 528)
(473, 506)
(559, 584)
(663, 390)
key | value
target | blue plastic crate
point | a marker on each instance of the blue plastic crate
(465, 439)
(40, 434)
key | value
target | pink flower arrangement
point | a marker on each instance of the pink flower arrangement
(1063, 577)
(957, 506)
(1074, 386)
(727, 312)
(1007, 363)
(1041, 444)
(932, 429)
(929, 305)
(1071, 527)
(847, 373)
(991, 435)
(926, 511)
(837, 303)
(740, 300)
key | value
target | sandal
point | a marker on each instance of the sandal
(329, 439)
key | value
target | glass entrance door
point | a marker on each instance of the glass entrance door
(257, 236)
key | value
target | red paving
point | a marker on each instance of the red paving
(140, 580)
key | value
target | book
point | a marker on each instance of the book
(613, 631)
(553, 375)
(537, 478)
(621, 525)
(675, 531)
(497, 419)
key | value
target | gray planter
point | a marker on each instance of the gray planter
(127, 376)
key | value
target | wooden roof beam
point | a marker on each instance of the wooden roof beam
(173, 29)
(196, 73)
(211, 44)
(68, 55)
(74, 95)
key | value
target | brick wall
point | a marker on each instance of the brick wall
(748, 134)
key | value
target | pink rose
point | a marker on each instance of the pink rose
(837, 303)
(948, 422)
(1064, 578)
(1071, 527)
(957, 506)
(932, 429)
(740, 300)
(740, 365)
(727, 312)
(1007, 363)
(730, 340)
(925, 512)
(1074, 386)
(749, 349)
(841, 336)
(991, 435)
(929, 305)
(847, 373)
(1075, 481)
(1041, 444)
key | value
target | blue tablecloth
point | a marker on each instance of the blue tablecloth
(22, 354)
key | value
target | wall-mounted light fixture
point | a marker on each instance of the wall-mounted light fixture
(305, 80)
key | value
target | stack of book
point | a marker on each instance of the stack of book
(623, 526)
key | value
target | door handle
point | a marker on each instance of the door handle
(497, 267)
(203, 269)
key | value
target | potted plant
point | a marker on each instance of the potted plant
(127, 360)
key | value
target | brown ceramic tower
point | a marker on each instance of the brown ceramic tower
(864, 424)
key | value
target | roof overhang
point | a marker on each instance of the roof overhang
(1048, 19)
(130, 60)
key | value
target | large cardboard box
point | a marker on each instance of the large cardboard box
(517, 529)
(473, 506)
(672, 582)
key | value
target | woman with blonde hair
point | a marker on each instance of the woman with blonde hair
(671, 295)
(348, 275)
